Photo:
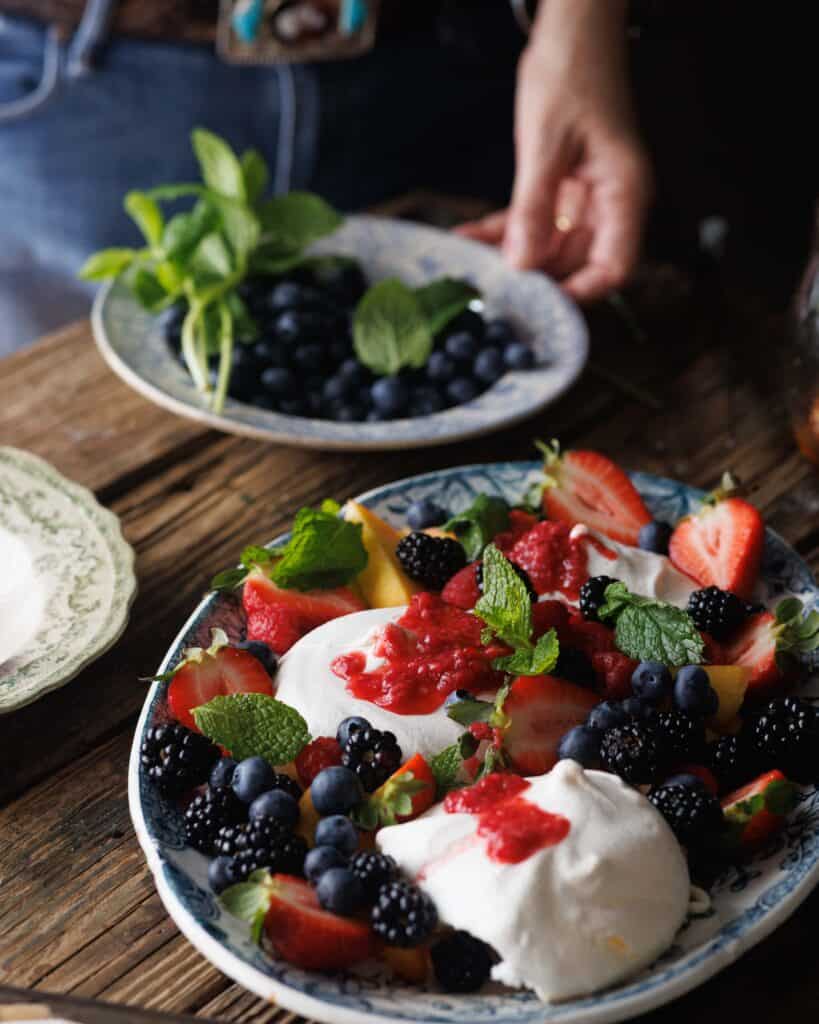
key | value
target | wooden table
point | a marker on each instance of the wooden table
(79, 916)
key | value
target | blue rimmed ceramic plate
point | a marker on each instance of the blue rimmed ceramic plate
(132, 345)
(747, 904)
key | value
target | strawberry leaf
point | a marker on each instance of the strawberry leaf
(253, 724)
(392, 801)
(250, 901)
(780, 797)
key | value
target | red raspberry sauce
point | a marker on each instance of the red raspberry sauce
(512, 828)
(553, 561)
(433, 649)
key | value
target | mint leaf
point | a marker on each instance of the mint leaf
(647, 629)
(221, 170)
(211, 260)
(465, 712)
(505, 605)
(253, 724)
(781, 796)
(255, 173)
(147, 216)
(536, 661)
(228, 579)
(389, 328)
(246, 327)
(446, 767)
(107, 263)
(295, 220)
(148, 289)
(442, 300)
(475, 527)
(250, 901)
(239, 223)
(323, 552)
(184, 231)
(330, 506)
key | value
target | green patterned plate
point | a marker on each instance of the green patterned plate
(67, 579)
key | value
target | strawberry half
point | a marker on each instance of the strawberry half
(768, 644)
(215, 672)
(305, 935)
(586, 487)
(541, 709)
(280, 616)
(757, 811)
(720, 545)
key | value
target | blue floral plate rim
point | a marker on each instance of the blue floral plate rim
(748, 904)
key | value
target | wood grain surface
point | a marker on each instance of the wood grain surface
(79, 917)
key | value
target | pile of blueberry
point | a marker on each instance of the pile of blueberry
(302, 363)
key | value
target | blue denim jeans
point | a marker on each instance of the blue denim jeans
(410, 114)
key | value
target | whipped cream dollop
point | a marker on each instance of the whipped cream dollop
(643, 572)
(575, 916)
(305, 681)
(22, 596)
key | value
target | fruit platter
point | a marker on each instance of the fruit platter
(278, 318)
(511, 742)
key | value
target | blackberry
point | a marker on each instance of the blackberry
(715, 611)
(209, 812)
(177, 759)
(287, 785)
(373, 870)
(786, 736)
(432, 561)
(373, 756)
(680, 737)
(593, 594)
(733, 760)
(521, 573)
(461, 962)
(575, 665)
(403, 914)
(631, 752)
(262, 844)
(693, 813)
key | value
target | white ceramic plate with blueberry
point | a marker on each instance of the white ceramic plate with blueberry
(133, 344)
(747, 903)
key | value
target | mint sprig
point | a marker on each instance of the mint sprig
(253, 725)
(323, 552)
(505, 605)
(539, 660)
(650, 630)
(202, 255)
(475, 527)
(446, 765)
(442, 300)
(250, 901)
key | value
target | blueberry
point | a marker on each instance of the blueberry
(651, 681)
(340, 278)
(654, 536)
(518, 356)
(390, 395)
(261, 652)
(462, 346)
(252, 777)
(348, 412)
(424, 513)
(278, 381)
(349, 725)
(456, 697)
(170, 323)
(293, 406)
(488, 365)
(635, 707)
(500, 332)
(685, 779)
(321, 859)
(308, 356)
(268, 352)
(264, 402)
(462, 389)
(296, 327)
(222, 772)
(469, 320)
(221, 873)
(336, 790)
(607, 715)
(425, 401)
(293, 295)
(440, 367)
(581, 744)
(340, 891)
(275, 804)
(375, 416)
(335, 388)
(694, 693)
(352, 372)
(337, 831)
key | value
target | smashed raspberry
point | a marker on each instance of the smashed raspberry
(614, 671)
(553, 561)
(323, 752)
(462, 590)
(548, 615)
(520, 522)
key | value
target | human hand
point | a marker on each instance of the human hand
(582, 182)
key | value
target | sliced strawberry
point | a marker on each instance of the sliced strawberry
(614, 671)
(586, 487)
(768, 644)
(720, 545)
(548, 615)
(541, 709)
(462, 589)
(322, 752)
(520, 522)
(757, 811)
(305, 935)
(215, 672)
(590, 637)
(280, 617)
